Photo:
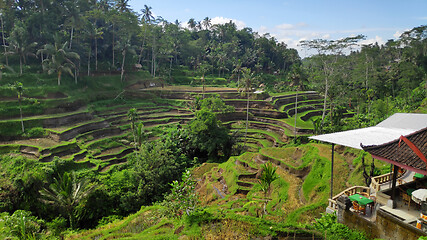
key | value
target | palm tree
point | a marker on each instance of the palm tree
(60, 59)
(122, 5)
(73, 18)
(4, 40)
(94, 33)
(192, 23)
(66, 192)
(19, 91)
(147, 17)
(248, 77)
(237, 70)
(207, 23)
(125, 47)
(203, 69)
(132, 116)
(19, 45)
(268, 176)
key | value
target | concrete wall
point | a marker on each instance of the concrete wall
(386, 226)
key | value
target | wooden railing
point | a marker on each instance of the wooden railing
(378, 180)
(349, 191)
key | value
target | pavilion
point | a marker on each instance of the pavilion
(400, 140)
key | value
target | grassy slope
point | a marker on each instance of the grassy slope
(292, 200)
(238, 213)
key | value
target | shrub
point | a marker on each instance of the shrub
(35, 132)
(199, 216)
(21, 225)
(57, 225)
(328, 224)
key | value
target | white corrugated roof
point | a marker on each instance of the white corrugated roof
(412, 121)
(388, 130)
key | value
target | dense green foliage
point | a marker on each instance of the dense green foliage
(108, 36)
(374, 82)
(334, 230)
(117, 49)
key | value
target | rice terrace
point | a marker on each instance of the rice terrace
(118, 125)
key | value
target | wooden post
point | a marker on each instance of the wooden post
(296, 112)
(393, 186)
(332, 170)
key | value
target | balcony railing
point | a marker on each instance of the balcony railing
(379, 180)
(349, 191)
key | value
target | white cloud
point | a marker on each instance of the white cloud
(222, 20)
(285, 26)
(293, 34)
(262, 30)
(422, 18)
(377, 39)
(397, 34)
(326, 36)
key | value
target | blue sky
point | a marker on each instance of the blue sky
(291, 20)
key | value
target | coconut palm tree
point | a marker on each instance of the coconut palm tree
(125, 47)
(237, 70)
(132, 116)
(19, 88)
(74, 18)
(66, 192)
(147, 17)
(4, 40)
(248, 78)
(203, 69)
(192, 23)
(94, 33)
(123, 6)
(18, 43)
(207, 23)
(60, 59)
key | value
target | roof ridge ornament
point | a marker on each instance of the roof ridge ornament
(413, 147)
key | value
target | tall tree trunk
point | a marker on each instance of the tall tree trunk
(4, 41)
(88, 62)
(296, 113)
(247, 116)
(152, 61)
(203, 86)
(75, 74)
(71, 37)
(123, 66)
(170, 68)
(59, 77)
(238, 79)
(20, 113)
(154, 66)
(113, 49)
(324, 99)
(327, 74)
(96, 54)
(20, 64)
(366, 71)
(142, 47)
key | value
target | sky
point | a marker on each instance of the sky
(291, 21)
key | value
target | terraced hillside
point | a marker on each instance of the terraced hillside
(234, 205)
(97, 133)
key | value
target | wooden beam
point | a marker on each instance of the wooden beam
(332, 171)
(393, 186)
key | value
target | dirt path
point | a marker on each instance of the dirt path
(39, 142)
(294, 200)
